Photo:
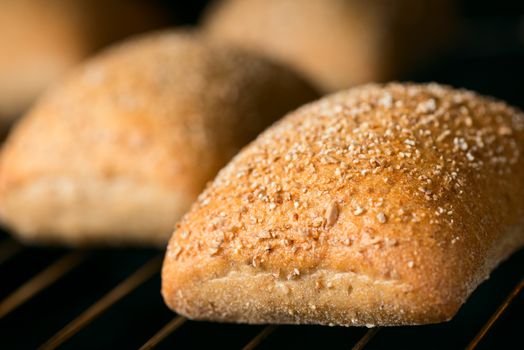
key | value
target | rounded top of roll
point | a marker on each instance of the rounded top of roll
(396, 183)
(434, 140)
(167, 92)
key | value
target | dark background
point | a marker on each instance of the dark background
(488, 57)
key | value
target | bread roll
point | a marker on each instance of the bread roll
(380, 205)
(41, 39)
(121, 148)
(337, 43)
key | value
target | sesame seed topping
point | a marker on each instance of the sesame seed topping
(175, 253)
(332, 213)
(358, 211)
(264, 234)
(386, 101)
(293, 274)
(283, 288)
(318, 284)
(427, 106)
(318, 221)
(381, 217)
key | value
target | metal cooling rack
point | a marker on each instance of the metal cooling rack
(55, 298)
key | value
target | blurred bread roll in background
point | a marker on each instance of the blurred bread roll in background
(337, 43)
(118, 151)
(41, 39)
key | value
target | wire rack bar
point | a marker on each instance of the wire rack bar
(260, 337)
(138, 277)
(41, 281)
(496, 316)
(370, 334)
(169, 328)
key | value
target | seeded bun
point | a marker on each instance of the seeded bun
(118, 151)
(380, 205)
(42, 39)
(337, 43)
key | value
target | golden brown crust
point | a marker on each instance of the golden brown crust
(380, 205)
(41, 40)
(161, 113)
(337, 43)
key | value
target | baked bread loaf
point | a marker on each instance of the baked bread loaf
(40, 40)
(380, 205)
(337, 43)
(121, 148)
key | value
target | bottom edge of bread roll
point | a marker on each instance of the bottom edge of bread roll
(215, 290)
(324, 297)
(90, 211)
